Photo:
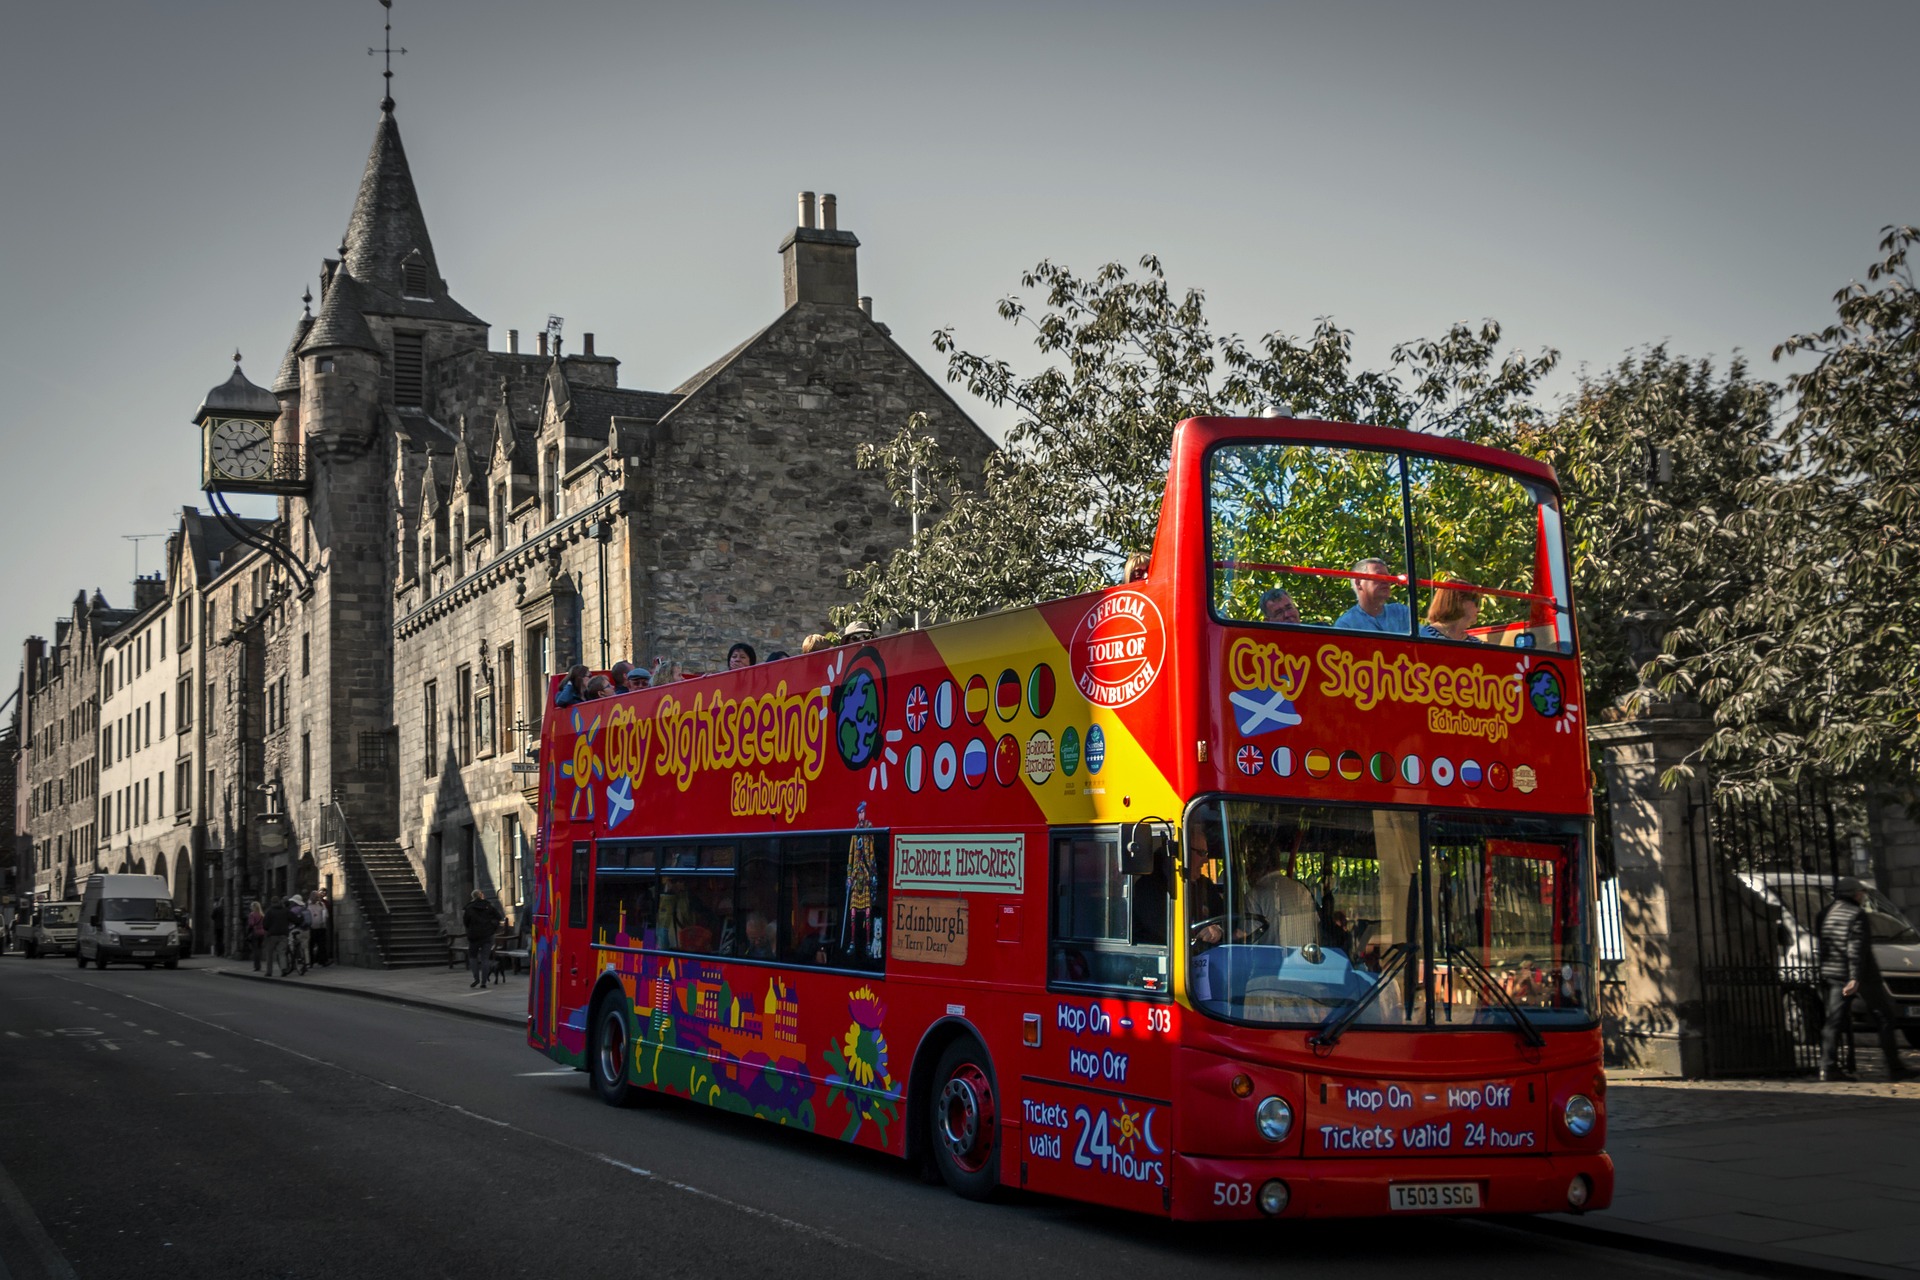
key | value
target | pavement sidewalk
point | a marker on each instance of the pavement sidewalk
(434, 987)
(1790, 1175)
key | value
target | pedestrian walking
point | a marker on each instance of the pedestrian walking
(482, 921)
(278, 923)
(1849, 972)
(256, 934)
(297, 934)
(319, 926)
(219, 926)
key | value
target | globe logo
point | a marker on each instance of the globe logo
(1544, 692)
(856, 718)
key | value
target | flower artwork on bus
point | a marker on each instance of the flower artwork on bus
(1215, 894)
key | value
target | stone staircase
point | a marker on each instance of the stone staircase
(405, 928)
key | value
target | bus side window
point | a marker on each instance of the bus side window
(579, 884)
(833, 899)
(1108, 929)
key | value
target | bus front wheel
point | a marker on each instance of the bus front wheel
(965, 1116)
(610, 1056)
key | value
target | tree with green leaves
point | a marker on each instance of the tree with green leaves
(1655, 457)
(1816, 669)
(1077, 487)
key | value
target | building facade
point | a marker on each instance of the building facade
(473, 520)
(59, 739)
(145, 706)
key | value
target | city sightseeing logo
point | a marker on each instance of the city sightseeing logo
(1118, 649)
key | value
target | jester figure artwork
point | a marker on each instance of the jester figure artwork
(859, 930)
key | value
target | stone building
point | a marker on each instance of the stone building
(475, 519)
(59, 724)
(145, 705)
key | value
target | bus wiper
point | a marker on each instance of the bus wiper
(1330, 1034)
(1491, 985)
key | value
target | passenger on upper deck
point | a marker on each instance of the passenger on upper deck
(574, 688)
(740, 655)
(1277, 605)
(1453, 611)
(1374, 607)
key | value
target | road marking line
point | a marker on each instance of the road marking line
(29, 1228)
(176, 1044)
(687, 1188)
(16, 1035)
(152, 1032)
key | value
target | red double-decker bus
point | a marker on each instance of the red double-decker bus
(1257, 886)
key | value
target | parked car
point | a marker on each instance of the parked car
(128, 918)
(1797, 900)
(52, 930)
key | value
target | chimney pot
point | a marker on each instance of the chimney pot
(586, 340)
(829, 212)
(866, 305)
(806, 209)
(542, 340)
(513, 342)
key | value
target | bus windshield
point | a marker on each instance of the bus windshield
(1301, 914)
(1320, 535)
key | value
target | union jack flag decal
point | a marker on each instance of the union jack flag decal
(1250, 760)
(917, 708)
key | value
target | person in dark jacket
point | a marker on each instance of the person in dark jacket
(1848, 971)
(482, 921)
(279, 922)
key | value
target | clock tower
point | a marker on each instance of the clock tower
(238, 453)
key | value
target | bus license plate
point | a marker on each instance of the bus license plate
(143, 953)
(1418, 1196)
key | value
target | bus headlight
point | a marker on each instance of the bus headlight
(1273, 1197)
(1580, 1115)
(1274, 1118)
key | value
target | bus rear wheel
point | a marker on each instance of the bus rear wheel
(610, 1055)
(965, 1115)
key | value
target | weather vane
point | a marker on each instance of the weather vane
(386, 104)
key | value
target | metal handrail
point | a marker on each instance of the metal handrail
(353, 848)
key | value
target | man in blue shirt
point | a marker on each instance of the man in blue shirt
(1374, 609)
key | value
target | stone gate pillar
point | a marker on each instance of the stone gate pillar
(1652, 1012)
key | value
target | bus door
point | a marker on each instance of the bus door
(573, 881)
(1094, 1102)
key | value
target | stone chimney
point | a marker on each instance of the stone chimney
(817, 263)
(148, 590)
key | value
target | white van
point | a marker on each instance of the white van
(50, 929)
(128, 918)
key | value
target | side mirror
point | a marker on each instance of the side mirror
(1141, 844)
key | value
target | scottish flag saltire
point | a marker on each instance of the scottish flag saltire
(1258, 711)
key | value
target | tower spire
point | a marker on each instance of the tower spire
(386, 102)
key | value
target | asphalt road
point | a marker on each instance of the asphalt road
(185, 1124)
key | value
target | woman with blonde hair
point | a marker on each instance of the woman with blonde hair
(1454, 610)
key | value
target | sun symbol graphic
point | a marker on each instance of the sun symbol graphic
(1128, 1129)
(877, 775)
(585, 767)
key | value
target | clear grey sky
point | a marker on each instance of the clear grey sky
(1595, 176)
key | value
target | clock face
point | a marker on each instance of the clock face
(240, 449)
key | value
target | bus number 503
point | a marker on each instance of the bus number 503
(1235, 1195)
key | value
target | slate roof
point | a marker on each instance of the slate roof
(341, 322)
(238, 396)
(386, 227)
(594, 408)
(288, 379)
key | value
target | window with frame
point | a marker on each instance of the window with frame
(463, 713)
(483, 730)
(1107, 928)
(184, 702)
(430, 726)
(509, 709)
(409, 369)
(817, 899)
